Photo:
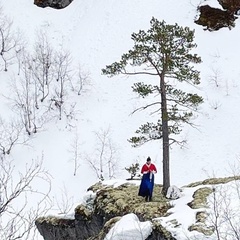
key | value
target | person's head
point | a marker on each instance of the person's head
(148, 160)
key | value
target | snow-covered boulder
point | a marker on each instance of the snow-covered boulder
(173, 193)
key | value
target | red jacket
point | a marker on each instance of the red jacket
(146, 168)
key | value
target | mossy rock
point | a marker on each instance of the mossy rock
(200, 198)
(55, 221)
(97, 186)
(202, 228)
(200, 201)
(214, 181)
(124, 199)
(201, 216)
(157, 227)
(84, 212)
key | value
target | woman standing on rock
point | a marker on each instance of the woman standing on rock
(147, 183)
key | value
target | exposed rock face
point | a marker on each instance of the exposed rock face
(214, 18)
(109, 205)
(232, 6)
(53, 228)
(58, 4)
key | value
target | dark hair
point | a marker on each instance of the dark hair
(148, 159)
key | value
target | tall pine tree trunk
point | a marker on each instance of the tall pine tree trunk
(165, 137)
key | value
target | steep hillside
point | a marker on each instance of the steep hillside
(94, 34)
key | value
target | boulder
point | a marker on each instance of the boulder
(173, 193)
(214, 19)
(57, 4)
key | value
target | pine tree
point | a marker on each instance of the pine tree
(162, 51)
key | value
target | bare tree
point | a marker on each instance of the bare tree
(215, 104)
(75, 153)
(80, 81)
(23, 101)
(104, 162)
(63, 74)
(11, 134)
(65, 204)
(24, 97)
(224, 217)
(217, 205)
(16, 191)
(45, 86)
(20, 52)
(216, 77)
(9, 40)
(42, 65)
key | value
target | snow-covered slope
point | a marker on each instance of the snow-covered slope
(96, 33)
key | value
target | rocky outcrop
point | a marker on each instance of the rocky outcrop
(79, 228)
(199, 203)
(58, 4)
(93, 221)
(214, 18)
(232, 6)
(107, 204)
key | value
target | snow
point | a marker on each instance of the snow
(184, 215)
(97, 33)
(129, 227)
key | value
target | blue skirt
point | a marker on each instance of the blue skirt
(146, 186)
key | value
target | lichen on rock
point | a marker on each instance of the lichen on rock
(124, 199)
(84, 212)
(214, 181)
(200, 198)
